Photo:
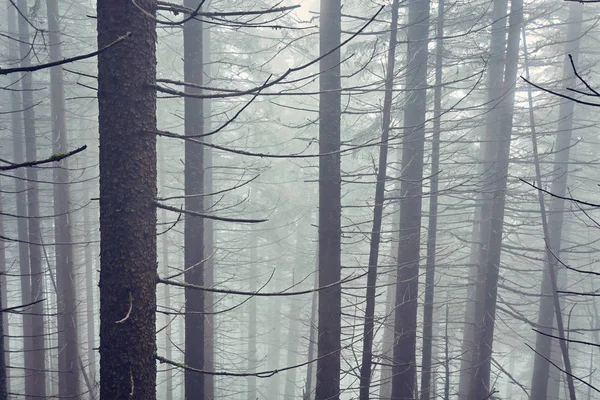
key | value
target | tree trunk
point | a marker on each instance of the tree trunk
(405, 324)
(252, 332)
(4, 323)
(312, 341)
(209, 248)
(194, 226)
(164, 266)
(485, 315)
(294, 336)
(90, 288)
(274, 341)
(481, 226)
(543, 343)
(38, 371)
(367, 352)
(330, 299)
(68, 355)
(128, 262)
(426, 369)
(21, 206)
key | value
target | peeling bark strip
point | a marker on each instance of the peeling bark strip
(127, 107)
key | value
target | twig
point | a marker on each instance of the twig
(51, 159)
(6, 71)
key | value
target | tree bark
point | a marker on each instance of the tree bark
(68, 343)
(497, 172)
(312, 341)
(330, 299)
(4, 355)
(367, 352)
(21, 207)
(405, 324)
(543, 343)
(128, 262)
(194, 225)
(38, 371)
(90, 288)
(426, 374)
(209, 247)
(252, 311)
(481, 226)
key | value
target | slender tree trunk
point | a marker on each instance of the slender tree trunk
(68, 355)
(4, 323)
(128, 262)
(209, 247)
(485, 315)
(543, 344)
(550, 239)
(481, 224)
(164, 266)
(252, 311)
(385, 390)
(367, 352)
(90, 288)
(293, 340)
(312, 341)
(38, 388)
(21, 206)
(274, 342)
(405, 324)
(330, 299)
(426, 374)
(194, 226)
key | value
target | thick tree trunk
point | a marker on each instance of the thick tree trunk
(194, 226)
(128, 263)
(367, 352)
(21, 207)
(330, 299)
(485, 315)
(543, 343)
(405, 324)
(38, 372)
(426, 374)
(68, 355)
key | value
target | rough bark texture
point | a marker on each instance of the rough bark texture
(128, 270)
(68, 355)
(194, 226)
(486, 314)
(330, 300)
(367, 352)
(426, 374)
(405, 324)
(38, 371)
(543, 343)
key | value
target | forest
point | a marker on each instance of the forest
(299, 199)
